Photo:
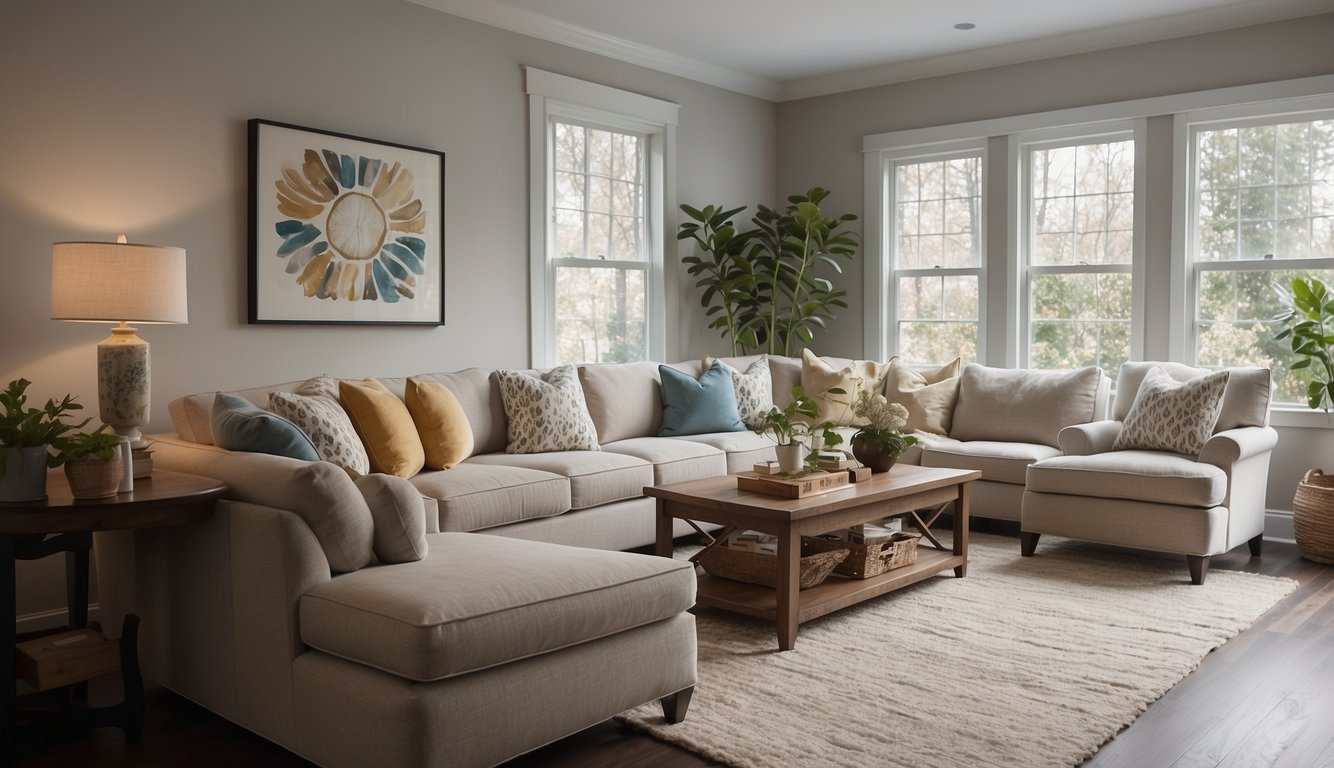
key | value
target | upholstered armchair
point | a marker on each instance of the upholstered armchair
(1198, 503)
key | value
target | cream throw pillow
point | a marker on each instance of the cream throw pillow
(754, 389)
(818, 377)
(1171, 415)
(928, 395)
(385, 426)
(441, 423)
(547, 413)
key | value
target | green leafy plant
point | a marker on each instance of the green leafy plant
(1309, 322)
(796, 420)
(884, 420)
(761, 286)
(23, 426)
(98, 443)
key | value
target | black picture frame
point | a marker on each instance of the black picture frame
(344, 229)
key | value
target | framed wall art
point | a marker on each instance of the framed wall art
(344, 229)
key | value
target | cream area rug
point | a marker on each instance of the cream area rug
(1025, 662)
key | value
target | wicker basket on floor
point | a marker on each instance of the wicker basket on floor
(1313, 516)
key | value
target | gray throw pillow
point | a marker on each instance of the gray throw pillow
(239, 425)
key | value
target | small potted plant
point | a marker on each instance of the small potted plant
(789, 426)
(93, 463)
(26, 437)
(879, 442)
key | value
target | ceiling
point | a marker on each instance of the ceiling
(788, 49)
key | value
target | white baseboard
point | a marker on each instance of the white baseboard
(42, 620)
(1278, 525)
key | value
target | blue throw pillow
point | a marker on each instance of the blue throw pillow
(239, 425)
(697, 407)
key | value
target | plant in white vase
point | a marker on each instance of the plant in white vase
(791, 426)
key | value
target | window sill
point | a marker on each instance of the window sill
(1301, 418)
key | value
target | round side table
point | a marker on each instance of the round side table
(61, 523)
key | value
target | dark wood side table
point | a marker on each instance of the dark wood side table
(61, 523)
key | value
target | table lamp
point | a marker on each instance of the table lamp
(119, 282)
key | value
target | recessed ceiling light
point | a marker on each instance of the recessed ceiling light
(965, 25)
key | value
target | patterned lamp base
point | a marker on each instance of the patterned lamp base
(122, 383)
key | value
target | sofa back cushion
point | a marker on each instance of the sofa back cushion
(1025, 406)
(1245, 399)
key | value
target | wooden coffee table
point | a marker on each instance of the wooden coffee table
(904, 490)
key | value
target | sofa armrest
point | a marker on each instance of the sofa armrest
(1088, 439)
(1233, 445)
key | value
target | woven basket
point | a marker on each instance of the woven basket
(1313, 516)
(761, 568)
(867, 560)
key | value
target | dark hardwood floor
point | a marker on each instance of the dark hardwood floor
(1266, 698)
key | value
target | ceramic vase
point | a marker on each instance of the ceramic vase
(792, 457)
(874, 456)
(25, 474)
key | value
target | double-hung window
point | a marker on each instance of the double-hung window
(1261, 212)
(1080, 242)
(600, 171)
(936, 251)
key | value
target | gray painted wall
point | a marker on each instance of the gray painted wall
(820, 139)
(130, 116)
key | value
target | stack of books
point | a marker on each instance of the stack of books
(753, 541)
(143, 461)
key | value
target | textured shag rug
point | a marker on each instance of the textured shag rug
(1032, 661)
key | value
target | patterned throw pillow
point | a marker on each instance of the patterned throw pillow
(547, 413)
(319, 415)
(818, 377)
(1171, 415)
(754, 389)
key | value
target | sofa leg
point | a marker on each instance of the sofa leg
(1028, 543)
(1199, 566)
(674, 707)
(1254, 544)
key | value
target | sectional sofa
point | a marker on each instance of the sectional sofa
(285, 613)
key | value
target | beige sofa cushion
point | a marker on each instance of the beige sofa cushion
(1003, 462)
(474, 496)
(819, 375)
(743, 449)
(480, 601)
(1149, 476)
(625, 399)
(595, 477)
(673, 461)
(1024, 406)
(399, 512)
(1245, 399)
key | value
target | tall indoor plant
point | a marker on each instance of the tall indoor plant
(762, 286)
(1309, 325)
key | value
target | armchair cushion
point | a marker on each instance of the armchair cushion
(1149, 476)
(1245, 399)
(1171, 415)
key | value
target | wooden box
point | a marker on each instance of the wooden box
(867, 560)
(66, 658)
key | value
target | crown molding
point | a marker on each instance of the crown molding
(545, 28)
(1153, 30)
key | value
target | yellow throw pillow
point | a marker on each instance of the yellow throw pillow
(928, 395)
(818, 377)
(441, 423)
(384, 425)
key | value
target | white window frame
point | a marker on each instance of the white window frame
(1186, 271)
(560, 98)
(1117, 130)
(881, 237)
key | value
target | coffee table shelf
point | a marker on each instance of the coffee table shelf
(901, 491)
(831, 595)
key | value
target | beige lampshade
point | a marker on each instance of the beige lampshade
(118, 282)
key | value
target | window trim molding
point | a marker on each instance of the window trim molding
(554, 95)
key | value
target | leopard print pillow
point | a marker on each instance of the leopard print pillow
(322, 418)
(754, 390)
(1171, 415)
(547, 413)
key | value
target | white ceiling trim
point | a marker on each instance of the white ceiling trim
(545, 28)
(1200, 22)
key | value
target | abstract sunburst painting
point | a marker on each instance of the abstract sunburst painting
(344, 229)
